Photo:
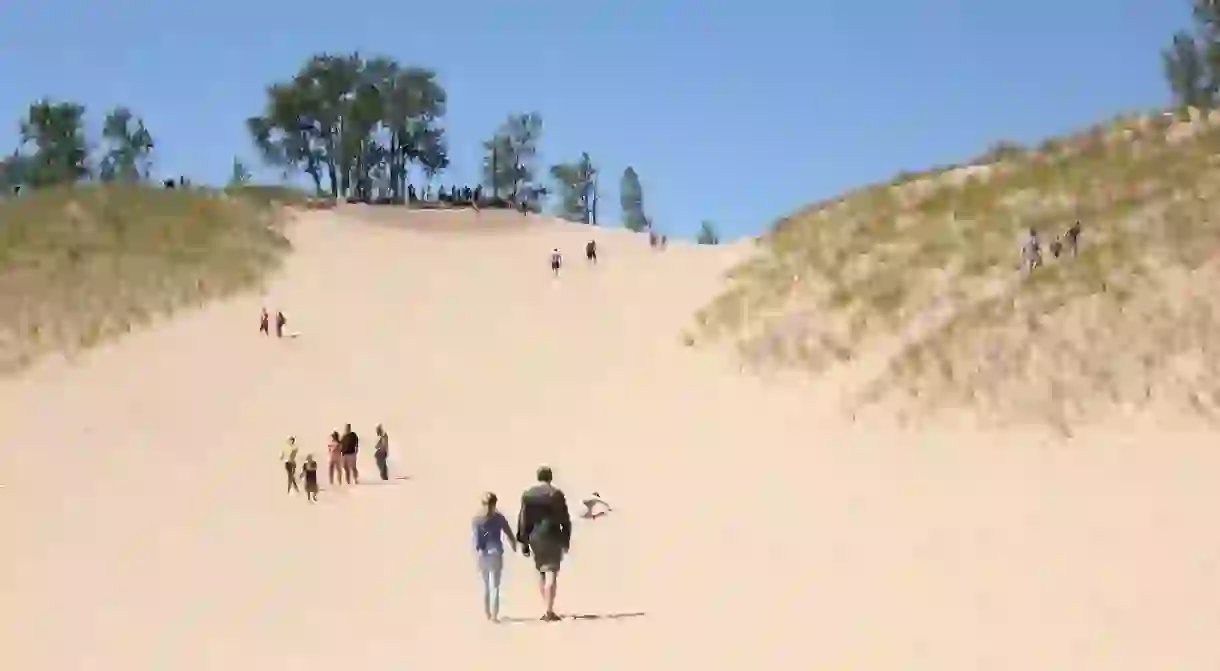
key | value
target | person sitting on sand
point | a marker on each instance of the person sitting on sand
(490, 530)
(556, 261)
(591, 503)
(334, 453)
(309, 474)
(289, 456)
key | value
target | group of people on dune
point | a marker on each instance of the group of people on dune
(342, 451)
(544, 531)
(1031, 248)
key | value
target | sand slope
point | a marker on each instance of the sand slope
(145, 526)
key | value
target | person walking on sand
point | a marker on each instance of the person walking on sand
(556, 261)
(264, 323)
(334, 453)
(591, 252)
(544, 529)
(349, 447)
(309, 474)
(280, 322)
(289, 456)
(490, 530)
(381, 453)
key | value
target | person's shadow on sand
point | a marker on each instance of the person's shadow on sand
(575, 616)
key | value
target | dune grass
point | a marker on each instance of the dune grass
(82, 264)
(931, 261)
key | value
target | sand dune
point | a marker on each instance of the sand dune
(145, 526)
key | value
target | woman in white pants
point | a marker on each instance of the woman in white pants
(490, 530)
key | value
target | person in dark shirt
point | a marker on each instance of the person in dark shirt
(280, 322)
(349, 447)
(544, 529)
(591, 251)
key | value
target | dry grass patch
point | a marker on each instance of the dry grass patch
(932, 260)
(84, 264)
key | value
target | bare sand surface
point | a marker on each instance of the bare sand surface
(145, 523)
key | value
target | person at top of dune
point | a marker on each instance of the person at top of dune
(544, 529)
(556, 261)
(288, 455)
(349, 447)
(309, 474)
(490, 530)
(334, 452)
(591, 251)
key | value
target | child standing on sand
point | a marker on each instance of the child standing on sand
(309, 474)
(490, 530)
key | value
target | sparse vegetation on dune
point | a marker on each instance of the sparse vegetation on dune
(80, 264)
(930, 264)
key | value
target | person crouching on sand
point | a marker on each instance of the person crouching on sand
(490, 530)
(591, 504)
(309, 475)
(289, 456)
(334, 454)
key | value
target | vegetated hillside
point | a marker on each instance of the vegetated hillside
(81, 264)
(925, 272)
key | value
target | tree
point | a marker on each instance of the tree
(707, 234)
(349, 119)
(511, 153)
(56, 129)
(631, 199)
(129, 147)
(240, 176)
(577, 189)
(1186, 72)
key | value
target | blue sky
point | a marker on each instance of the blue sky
(736, 112)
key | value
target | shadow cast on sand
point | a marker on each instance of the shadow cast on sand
(574, 616)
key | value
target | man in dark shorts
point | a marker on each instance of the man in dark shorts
(349, 447)
(556, 261)
(544, 529)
